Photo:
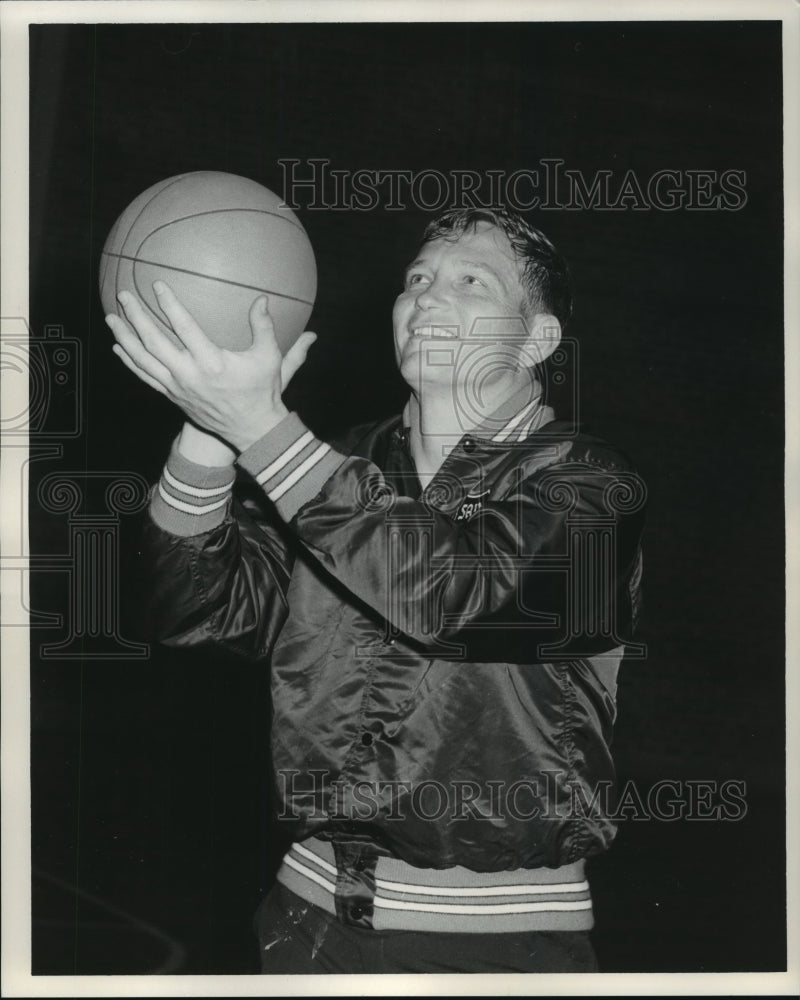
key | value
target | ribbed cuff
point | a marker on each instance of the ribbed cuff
(290, 464)
(190, 498)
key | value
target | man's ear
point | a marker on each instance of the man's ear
(544, 336)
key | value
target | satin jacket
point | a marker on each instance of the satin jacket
(443, 661)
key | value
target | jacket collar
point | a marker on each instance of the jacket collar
(517, 417)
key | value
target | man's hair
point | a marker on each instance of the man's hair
(545, 275)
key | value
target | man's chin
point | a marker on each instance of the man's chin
(441, 378)
(450, 361)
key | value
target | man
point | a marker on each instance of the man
(445, 599)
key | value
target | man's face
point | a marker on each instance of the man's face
(462, 315)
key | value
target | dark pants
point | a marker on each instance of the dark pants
(297, 937)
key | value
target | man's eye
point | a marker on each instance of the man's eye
(471, 279)
(414, 278)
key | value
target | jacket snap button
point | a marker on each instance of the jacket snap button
(366, 739)
(357, 912)
(361, 864)
(469, 444)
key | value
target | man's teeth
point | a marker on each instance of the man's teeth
(435, 331)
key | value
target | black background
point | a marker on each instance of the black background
(151, 834)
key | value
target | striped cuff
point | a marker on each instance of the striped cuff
(290, 464)
(448, 899)
(189, 498)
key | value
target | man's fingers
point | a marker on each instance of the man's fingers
(137, 371)
(155, 341)
(295, 356)
(181, 320)
(261, 324)
(138, 354)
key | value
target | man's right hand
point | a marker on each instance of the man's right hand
(233, 394)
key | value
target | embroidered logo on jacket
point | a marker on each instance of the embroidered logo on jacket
(473, 502)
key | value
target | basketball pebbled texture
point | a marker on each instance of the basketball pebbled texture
(219, 241)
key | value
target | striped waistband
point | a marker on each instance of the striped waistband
(399, 896)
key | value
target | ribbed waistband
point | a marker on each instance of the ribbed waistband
(454, 899)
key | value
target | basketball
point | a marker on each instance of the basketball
(219, 241)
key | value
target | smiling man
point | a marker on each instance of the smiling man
(467, 285)
(443, 598)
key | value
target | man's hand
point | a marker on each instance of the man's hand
(234, 394)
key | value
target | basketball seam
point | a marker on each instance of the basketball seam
(219, 211)
(140, 213)
(163, 187)
(209, 277)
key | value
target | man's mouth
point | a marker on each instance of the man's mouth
(435, 332)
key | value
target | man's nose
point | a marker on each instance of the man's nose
(431, 294)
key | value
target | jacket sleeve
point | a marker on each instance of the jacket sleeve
(543, 573)
(217, 572)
